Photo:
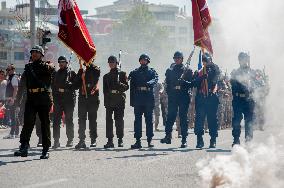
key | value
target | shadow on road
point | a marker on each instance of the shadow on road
(15, 162)
(138, 156)
(219, 151)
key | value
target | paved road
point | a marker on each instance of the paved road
(162, 166)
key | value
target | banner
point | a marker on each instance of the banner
(73, 31)
(201, 21)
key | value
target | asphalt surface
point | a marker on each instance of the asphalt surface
(161, 166)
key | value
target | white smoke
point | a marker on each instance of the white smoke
(256, 165)
(255, 26)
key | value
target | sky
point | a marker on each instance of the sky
(86, 5)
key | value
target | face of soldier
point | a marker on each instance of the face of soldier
(36, 56)
(178, 61)
(244, 64)
(62, 64)
(143, 62)
(112, 65)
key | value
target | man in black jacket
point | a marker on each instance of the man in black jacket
(114, 86)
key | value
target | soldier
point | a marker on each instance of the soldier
(242, 81)
(157, 91)
(88, 102)
(142, 81)
(115, 84)
(262, 90)
(36, 79)
(164, 103)
(64, 97)
(206, 101)
(177, 78)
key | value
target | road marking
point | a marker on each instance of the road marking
(48, 183)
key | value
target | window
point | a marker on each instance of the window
(3, 55)
(19, 55)
(182, 30)
(170, 29)
(2, 21)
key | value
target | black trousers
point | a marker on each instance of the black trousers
(206, 107)
(31, 109)
(88, 106)
(119, 123)
(66, 106)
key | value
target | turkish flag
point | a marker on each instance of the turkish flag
(73, 31)
(201, 21)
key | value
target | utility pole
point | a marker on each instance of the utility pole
(32, 23)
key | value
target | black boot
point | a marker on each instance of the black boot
(23, 151)
(93, 143)
(120, 142)
(81, 145)
(236, 141)
(69, 143)
(212, 142)
(183, 142)
(167, 139)
(109, 144)
(200, 142)
(56, 144)
(150, 145)
(137, 144)
(44, 154)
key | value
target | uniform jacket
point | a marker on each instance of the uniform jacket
(114, 86)
(142, 77)
(36, 75)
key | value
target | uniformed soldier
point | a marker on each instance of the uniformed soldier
(243, 85)
(206, 101)
(164, 103)
(177, 78)
(36, 79)
(157, 92)
(142, 81)
(262, 90)
(64, 97)
(115, 84)
(88, 103)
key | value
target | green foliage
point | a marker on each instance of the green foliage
(139, 32)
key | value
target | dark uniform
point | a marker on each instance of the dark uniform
(88, 103)
(243, 84)
(64, 97)
(114, 86)
(36, 79)
(177, 87)
(142, 81)
(206, 101)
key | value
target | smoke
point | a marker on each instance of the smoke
(256, 165)
(253, 26)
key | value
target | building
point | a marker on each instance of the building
(171, 17)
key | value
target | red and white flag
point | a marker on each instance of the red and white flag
(201, 21)
(73, 31)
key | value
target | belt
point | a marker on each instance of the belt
(36, 90)
(242, 95)
(143, 89)
(177, 87)
(114, 91)
(60, 90)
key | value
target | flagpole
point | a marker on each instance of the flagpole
(205, 81)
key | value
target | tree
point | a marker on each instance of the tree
(138, 32)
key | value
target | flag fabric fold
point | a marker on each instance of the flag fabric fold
(73, 31)
(201, 21)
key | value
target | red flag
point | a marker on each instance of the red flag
(73, 31)
(201, 21)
